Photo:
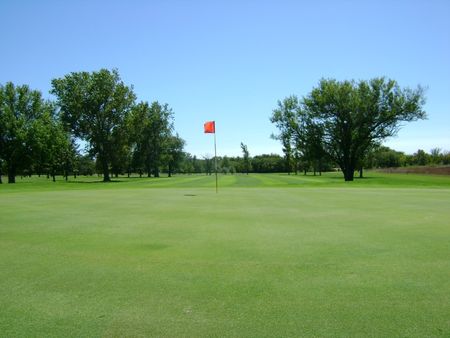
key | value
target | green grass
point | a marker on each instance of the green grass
(269, 256)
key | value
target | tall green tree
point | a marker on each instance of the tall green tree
(421, 157)
(246, 157)
(301, 139)
(20, 107)
(121, 156)
(151, 127)
(436, 156)
(52, 149)
(285, 117)
(93, 105)
(313, 152)
(173, 154)
(354, 116)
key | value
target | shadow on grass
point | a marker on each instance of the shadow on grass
(144, 177)
(117, 180)
(341, 178)
(95, 182)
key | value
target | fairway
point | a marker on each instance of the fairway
(268, 256)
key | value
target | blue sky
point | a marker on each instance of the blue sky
(230, 61)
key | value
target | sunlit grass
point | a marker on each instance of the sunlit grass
(269, 256)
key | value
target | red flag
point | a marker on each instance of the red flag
(210, 127)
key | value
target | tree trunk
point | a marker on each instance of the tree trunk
(1, 178)
(361, 172)
(156, 172)
(105, 168)
(348, 173)
(11, 174)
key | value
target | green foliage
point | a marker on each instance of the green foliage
(355, 116)
(151, 128)
(93, 107)
(302, 140)
(225, 165)
(209, 165)
(287, 119)
(173, 154)
(384, 157)
(343, 120)
(268, 163)
(20, 109)
(246, 158)
(86, 165)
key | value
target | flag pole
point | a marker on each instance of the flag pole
(215, 157)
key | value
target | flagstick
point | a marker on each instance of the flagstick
(215, 158)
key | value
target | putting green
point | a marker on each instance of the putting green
(288, 257)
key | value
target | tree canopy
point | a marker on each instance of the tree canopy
(93, 107)
(343, 119)
(20, 107)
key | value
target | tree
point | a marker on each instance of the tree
(51, 147)
(174, 153)
(246, 156)
(285, 117)
(225, 165)
(268, 163)
(311, 136)
(93, 105)
(86, 165)
(121, 156)
(209, 164)
(436, 156)
(300, 137)
(354, 116)
(420, 157)
(151, 127)
(20, 107)
(385, 157)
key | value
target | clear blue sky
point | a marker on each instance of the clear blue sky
(230, 61)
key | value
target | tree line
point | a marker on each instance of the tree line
(265, 163)
(337, 125)
(384, 157)
(377, 157)
(122, 136)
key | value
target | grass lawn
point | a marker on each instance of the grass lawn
(269, 256)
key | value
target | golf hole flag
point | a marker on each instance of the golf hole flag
(210, 127)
